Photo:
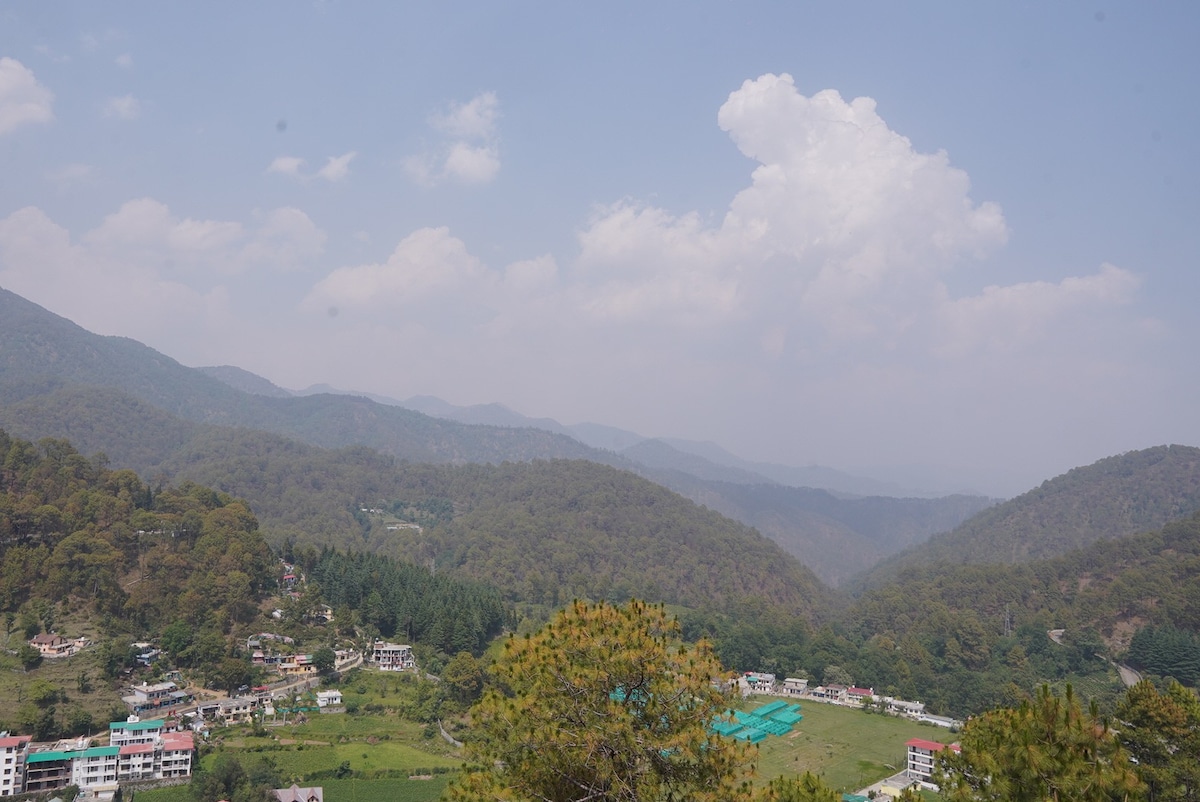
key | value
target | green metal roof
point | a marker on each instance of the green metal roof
(137, 725)
(46, 757)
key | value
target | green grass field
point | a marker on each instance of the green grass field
(847, 748)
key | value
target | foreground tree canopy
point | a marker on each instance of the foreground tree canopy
(1161, 730)
(605, 703)
(1048, 749)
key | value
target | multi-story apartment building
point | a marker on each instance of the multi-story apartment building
(138, 750)
(13, 751)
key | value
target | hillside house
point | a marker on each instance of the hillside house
(920, 758)
(860, 695)
(297, 794)
(135, 731)
(393, 656)
(831, 692)
(239, 710)
(147, 698)
(294, 665)
(793, 686)
(142, 750)
(46, 770)
(51, 645)
(902, 707)
(168, 756)
(332, 698)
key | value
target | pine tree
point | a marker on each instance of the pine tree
(1048, 749)
(605, 703)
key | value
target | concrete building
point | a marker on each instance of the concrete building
(920, 758)
(13, 751)
(393, 656)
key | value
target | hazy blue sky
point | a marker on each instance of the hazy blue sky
(959, 237)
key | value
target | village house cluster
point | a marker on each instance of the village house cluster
(162, 698)
(754, 682)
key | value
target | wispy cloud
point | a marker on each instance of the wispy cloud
(286, 165)
(336, 167)
(468, 153)
(125, 107)
(70, 173)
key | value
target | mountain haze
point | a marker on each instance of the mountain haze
(142, 408)
(40, 352)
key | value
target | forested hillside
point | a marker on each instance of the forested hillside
(1115, 497)
(977, 628)
(543, 532)
(73, 531)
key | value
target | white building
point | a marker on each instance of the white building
(135, 731)
(329, 698)
(756, 682)
(393, 656)
(95, 767)
(13, 749)
(920, 758)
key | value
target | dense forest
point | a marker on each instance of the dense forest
(396, 599)
(74, 531)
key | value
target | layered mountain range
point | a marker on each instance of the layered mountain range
(146, 411)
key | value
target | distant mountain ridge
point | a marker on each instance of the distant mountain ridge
(40, 351)
(825, 530)
(56, 379)
(1113, 498)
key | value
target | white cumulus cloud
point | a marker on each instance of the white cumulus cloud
(22, 99)
(429, 263)
(843, 230)
(474, 120)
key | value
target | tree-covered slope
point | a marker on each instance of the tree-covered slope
(541, 531)
(1115, 497)
(977, 635)
(1113, 587)
(556, 530)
